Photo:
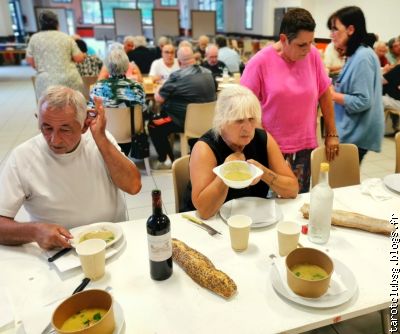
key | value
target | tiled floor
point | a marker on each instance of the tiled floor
(17, 124)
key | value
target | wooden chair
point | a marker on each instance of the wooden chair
(119, 125)
(180, 177)
(199, 118)
(87, 83)
(397, 141)
(343, 171)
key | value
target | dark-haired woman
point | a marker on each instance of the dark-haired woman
(358, 90)
(53, 54)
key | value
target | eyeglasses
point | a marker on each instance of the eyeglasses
(169, 52)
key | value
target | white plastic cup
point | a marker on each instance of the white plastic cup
(239, 230)
(92, 254)
(236, 77)
(288, 236)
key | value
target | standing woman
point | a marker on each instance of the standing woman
(358, 91)
(290, 80)
(53, 54)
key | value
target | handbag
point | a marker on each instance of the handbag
(140, 147)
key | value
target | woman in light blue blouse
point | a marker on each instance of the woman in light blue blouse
(358, 91)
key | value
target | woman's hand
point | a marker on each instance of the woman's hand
(257, 164)
(235, 156)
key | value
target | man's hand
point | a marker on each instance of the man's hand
(98, 123)
(49, 236)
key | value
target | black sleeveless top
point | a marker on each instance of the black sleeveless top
(256, 150)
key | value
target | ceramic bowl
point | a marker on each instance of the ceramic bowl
(83, 300)
(237, 166)
(303, 287)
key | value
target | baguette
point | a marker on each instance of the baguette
(202, 270)
(355, 220)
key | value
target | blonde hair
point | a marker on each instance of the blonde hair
(235, 103)
(59, 97)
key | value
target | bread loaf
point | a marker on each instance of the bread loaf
(202, 270)
(355, 220)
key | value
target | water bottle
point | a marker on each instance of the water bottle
(225, 75)
(159, 240)
(321, 202)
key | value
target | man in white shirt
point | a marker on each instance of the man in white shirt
(161, 68)
(66, 176)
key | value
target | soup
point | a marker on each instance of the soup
(83, 319)
(105, 235)
(237, 175)
(310, 272)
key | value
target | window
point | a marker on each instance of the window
(249, 14)
(218, 6)
(101, 11)
(169, 3)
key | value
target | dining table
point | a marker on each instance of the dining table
(31, 287)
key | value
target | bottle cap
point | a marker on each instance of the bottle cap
(324, 167)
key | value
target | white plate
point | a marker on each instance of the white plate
(119, 318)
(264, 212)
(325, 301)
(221, 79)
(78, 232)
(392, 181)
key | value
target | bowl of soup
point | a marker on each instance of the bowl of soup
(237, 174)
(87, 312)
(309, 272)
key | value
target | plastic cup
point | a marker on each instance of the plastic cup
(239, 229)
(92, 254)
(288, 236)
(236, 77)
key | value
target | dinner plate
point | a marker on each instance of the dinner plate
(324, 301)
(118, 317)
(264, 212)
(392, 181)
(78, 232)
(221, 79)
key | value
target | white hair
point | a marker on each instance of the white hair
(139, 41)
(235, 103)
(117, 62)
(59, 97)
(129, 39)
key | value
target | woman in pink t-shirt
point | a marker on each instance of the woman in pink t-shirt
(290, 81)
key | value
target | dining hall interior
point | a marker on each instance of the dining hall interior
(249, 26)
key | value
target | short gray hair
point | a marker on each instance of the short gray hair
(139, 41)
(129, 39)
(59, 97)
(235, 103)
(117, 62)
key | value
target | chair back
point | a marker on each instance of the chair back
(87, 83)
(180, 177)
(198, 120)
(343, 171)
(397, 141)
(119, 122)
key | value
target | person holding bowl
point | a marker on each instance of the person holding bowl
(235, 136)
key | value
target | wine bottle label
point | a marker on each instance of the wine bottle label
(160, 247)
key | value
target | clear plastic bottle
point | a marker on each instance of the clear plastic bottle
(321, 202)
(225, 75)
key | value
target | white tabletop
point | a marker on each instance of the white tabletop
(179, 304)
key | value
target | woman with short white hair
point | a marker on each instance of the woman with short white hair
(235, 136)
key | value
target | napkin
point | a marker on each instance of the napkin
(71, 260)
(374, 188)
(336, 285)
(6, 311)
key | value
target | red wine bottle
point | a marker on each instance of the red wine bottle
(159, 241)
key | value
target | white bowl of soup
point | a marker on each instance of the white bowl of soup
(87, 312)
(309, 272)
(237, 174)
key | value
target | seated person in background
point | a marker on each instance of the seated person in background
(200, 50)
(235, 136)
(66, 176)
(161, 42)
(212, 63)
(391, 95)
(190, 84)
(393, 55)
(333, 61)
(185, 43)
(90, 50)
(141, 54)
(133, 72)
(118, 90)
(381, 49)
(91, 65)
(225, 54)
(161, 68)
